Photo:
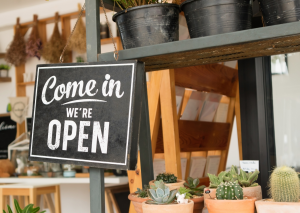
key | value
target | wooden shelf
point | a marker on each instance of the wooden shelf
(2, 55)
(26, 83)
(265, 41)
(108, 40)
(5, 79)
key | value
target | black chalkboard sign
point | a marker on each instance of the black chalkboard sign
(8, 131)
(88, 113)
(28, 124)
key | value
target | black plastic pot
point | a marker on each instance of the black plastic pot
(211, 17)
(280, 11)
(148, 24)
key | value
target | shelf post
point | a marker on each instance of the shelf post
(93, 49)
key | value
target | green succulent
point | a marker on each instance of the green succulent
(142, 193)
(28, 209)
(216, 180)
(4, 67)
(186, 191)
(192, 185)
(167, 178)
(229, 191)
(284, 185)
(160, 194)
(248, 179)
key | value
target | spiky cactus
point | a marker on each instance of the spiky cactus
(160, 194)
(167, 178)
(248, 179)
(229, 191)
(284, 185)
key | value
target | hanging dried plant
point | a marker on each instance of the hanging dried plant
(78, 39)
(34, 43)
(54, 47)
(16, 53)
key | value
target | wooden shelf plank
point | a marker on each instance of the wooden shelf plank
(265, 41)
(198, 136)
(26, 83)
(5, 79)
(2, 55)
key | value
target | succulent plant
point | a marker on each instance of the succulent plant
(186, 192)
(248, 179)
(167, 178)
(229, 191)
(142, 193)
(28, 209)
(284, 185)
(192, 185)
(160, 194)
(216, 180)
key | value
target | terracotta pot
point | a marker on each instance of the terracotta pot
(231, 206)
(137, 202)
(171, 185)
(171, 208)
(248, 192)
(198, 204)
(269, 206)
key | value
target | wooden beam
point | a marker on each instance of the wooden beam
(66, 31)
(20, 91)
(238, 121)
(42, 32)
(198, 136)
(186, 97)
(214, 78)
(170, 124)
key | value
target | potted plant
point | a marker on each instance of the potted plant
(163, 200)
(206, 17)
(284, 192)
(147, 22)
(279, 11)
(245, 180)
(137, 198)
(196, 193)
(170, 180)
(230, 199)
(28, 209)
(5, 68)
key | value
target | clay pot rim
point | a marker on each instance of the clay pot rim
(137, 199)
(215, 200)
(197, 199)
(173, 204)
(271, 201)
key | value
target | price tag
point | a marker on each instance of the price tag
(249, 165)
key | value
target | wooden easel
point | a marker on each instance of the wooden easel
(172, 138)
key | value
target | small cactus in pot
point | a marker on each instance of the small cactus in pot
(284, 185)
(166, 178)
(229, 191)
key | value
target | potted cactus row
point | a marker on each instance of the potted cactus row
(230, 199)
(284, 192)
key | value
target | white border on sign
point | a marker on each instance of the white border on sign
(129, 116)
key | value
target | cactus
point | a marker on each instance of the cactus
(284, 185)
(192, 185)
(160, 194)
(248, 179)
(142, 193)
(167, 178)
(229, 191)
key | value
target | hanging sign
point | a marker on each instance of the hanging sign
(8, 131)
(88, 114)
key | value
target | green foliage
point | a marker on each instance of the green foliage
(187, 192)
(192, 185)
(125, 4)
(142, 193)
(167, 178)
(284, 185)
(4, 67)
(27, 209)
(248, 179)
(160, 194)
(229, 191)
(244, 179)
(79, 59)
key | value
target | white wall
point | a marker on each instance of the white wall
(286, 101)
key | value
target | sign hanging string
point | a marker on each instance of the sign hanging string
(116, 53)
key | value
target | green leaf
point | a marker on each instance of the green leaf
(4, 211)
(190, 181)
(243, 175)
(35, 210)
(196, 182)
(17, 206)
(9, 209)
(27, 209)
(43, 211)
(160, 192)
